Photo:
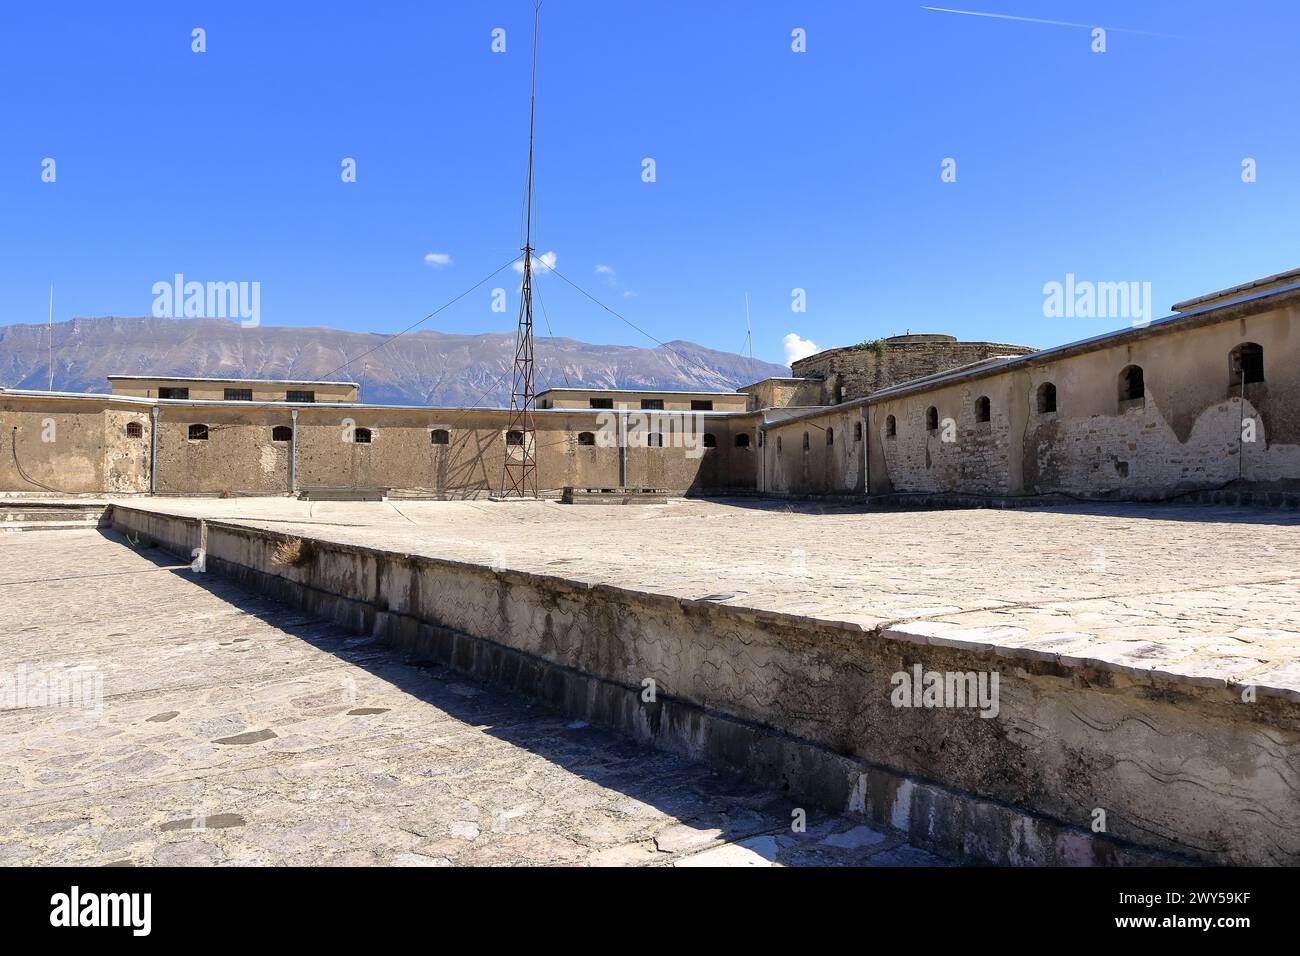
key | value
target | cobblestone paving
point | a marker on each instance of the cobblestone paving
(235, 731)
(1195, 593)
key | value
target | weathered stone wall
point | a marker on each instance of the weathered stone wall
(90, 450)
(857, 371)
(830, 462)
(72, 446)
(1191, 430)
(786, 393)
(1185, 433)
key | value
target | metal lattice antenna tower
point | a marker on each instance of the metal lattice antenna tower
(519, 478)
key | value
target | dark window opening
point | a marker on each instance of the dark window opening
(1132, 385)
(1046, 398)
(932, 419)
(830, 436)
(891, 426)
(983, 410)
(281, 433)
(1246, 364)
(300, 396)
(655, 440)
(778, 444)
(134, 430)
(515, 439)
(361, 436)
(198, 433)
(181, 393)
(701, 404)
(760, 439)
(239, 394)
(652, 404)
(805, 441)
(439, 436)
(586, 438)
(742, 440)
(857, 431)
(600, 402)
(710, 440)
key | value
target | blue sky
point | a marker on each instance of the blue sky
(775, 170)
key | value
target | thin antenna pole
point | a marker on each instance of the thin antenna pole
(50, 326)
(749, 335)
(519, 472)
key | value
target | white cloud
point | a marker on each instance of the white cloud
(605, 270)
(544, 263)
(797, 348)
(437, 259)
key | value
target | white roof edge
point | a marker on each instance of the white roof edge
(204, 378)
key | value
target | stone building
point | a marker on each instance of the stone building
(857, 371)
(233, 389)
(1206, 399)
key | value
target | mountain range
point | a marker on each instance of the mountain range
(416, 368)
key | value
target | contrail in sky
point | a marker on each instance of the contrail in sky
(1055, 23)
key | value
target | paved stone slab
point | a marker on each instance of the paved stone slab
(231, 730)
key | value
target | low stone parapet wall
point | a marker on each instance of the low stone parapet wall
(1071, 768)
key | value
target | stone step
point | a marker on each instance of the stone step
(51, 518)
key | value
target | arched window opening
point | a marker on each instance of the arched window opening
(932, 419)
(891, 426)
(1246, 364)
(1132, 384)
(983, 409)
(439, 436)
(586, 438)
(198, 433)
(710, 440)
(361, 436)
(1046, 398)
(281, 433)
(134, 430)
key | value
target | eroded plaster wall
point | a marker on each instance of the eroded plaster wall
(93, 451)
(1191, 429)
(72, 446)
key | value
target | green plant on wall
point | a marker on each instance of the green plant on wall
(876, 345)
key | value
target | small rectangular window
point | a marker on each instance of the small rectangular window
(701, 405)
(239, 394)
(182, 393)
(601, 402)
(652, 404)
(300, 396)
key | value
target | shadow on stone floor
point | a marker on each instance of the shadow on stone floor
(719, 816)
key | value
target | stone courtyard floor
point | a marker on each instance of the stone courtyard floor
(1195, 593)
(235, 731)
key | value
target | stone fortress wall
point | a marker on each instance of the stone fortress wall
(1206, 399)
(859, 370)
(1202, 401)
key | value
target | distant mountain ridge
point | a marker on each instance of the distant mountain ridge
(418, 368)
